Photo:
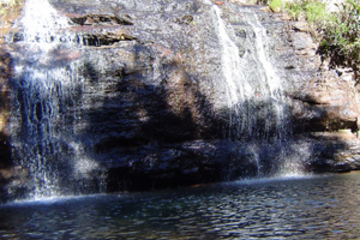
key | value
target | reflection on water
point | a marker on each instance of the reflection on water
(312, 208)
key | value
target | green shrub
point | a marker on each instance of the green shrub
(315, 12)
(276, 5)
(341, 36)
(295, 9)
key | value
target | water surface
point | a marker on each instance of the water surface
(320, 207)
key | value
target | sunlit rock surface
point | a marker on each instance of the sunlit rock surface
(145, 109)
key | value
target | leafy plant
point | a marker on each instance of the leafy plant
(341, 37)
(276, 5)
(295, 9)
(315, 12)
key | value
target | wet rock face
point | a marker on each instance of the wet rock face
(147, 68)
(146, 84)
(128, 104)
(143, 103)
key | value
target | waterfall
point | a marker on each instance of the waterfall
(254, 101)
(254, 94)
(55, 105)
(45, 114)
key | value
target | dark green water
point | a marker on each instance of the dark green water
(326, 207)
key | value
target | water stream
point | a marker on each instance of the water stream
(255, 97)
(45, 109)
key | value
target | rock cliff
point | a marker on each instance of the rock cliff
(143, 104)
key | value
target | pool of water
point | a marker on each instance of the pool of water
(313, 207)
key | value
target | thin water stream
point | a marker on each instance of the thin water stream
(254, 92)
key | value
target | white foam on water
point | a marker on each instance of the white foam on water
(56, 199)
(254, 181)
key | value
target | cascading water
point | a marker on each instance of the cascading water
(268, 88)
(45, 113)
(255, 96)
(254, 93)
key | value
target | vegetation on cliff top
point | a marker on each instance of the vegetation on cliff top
(337, 32)
(340, 39)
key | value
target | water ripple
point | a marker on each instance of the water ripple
(325, 207)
